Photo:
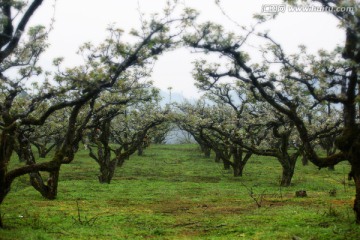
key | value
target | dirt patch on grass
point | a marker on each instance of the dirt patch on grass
(127, 178)
(177, 149)
(183, 208)
(119, 202)
(342, 202)
(228, 210)
(203, 179)
(194, 179)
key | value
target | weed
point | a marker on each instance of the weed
(83, 220)
(332, 212)
(281, 192)
(257, 198)
(158, 232)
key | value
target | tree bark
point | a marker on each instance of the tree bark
(43, 150)
(1, 222)
(304, 160)
(329, 152)
(140, 150)
(207, 152)
(288, 163)
(238, 161)
(48, 190)
(217, 158)
(121, 161)
(238, 170)
(7, 143)
(287, 174)
(107, 171)
(227, 164)
(126, 148)
(103, 153)
(12, 42)
(356, 177)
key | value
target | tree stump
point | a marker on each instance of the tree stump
(301, 193)
(332, 193)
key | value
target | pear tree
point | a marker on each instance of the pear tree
(328, 77)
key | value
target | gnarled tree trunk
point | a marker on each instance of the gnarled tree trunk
(107, 171)
(140, 151)
(47, 190)
(217, 158)
(356, 177)
(288, 163)
(354, 159)
(206, 150)
(287, 174)
(227, 164)
(238, 161)
(103, 156)
(304, 160)
(6, 148)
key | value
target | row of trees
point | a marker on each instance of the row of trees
(297, 88)
(235, 126)
(107, 103)
(106, 98)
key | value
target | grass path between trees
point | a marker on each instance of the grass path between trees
(173, 192)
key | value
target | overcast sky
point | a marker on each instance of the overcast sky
(79, 21)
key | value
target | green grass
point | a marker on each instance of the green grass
(173, 192)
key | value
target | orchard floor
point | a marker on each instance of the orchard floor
(173, 192)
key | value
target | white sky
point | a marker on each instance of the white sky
(79, 21)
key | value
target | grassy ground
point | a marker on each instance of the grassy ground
(173, 192)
